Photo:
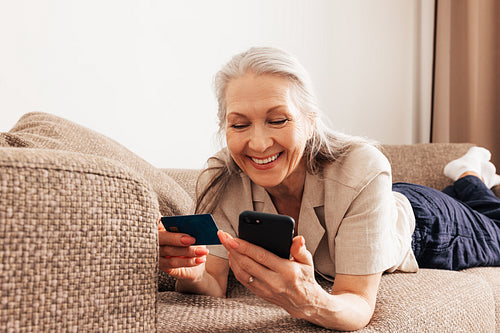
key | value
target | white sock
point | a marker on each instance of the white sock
(473, 161)
(495, 181)
(488, 172)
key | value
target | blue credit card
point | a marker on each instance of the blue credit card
(200, 226)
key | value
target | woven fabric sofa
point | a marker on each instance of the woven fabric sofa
(79, 252)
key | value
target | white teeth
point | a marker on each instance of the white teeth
(265, 160)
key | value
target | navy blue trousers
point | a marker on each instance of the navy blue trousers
(457, 228)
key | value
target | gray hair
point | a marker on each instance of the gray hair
(324, 146)
(260, 61)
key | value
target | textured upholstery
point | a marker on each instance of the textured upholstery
(492, 276)
(42, 130)
(78, 244)
(428, 301)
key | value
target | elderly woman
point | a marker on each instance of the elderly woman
(352, 224)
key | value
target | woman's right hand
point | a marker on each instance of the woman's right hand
(178, 258)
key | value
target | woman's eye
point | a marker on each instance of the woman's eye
(238, 126)
(278, 122)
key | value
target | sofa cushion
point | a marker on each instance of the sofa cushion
(186, 178)
(430, 301)
(42, 130)
(492, 276)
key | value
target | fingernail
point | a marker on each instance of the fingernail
(222, 236)
(232, 243)
(200, 260)
(187, 240)
(160, 226)
(201, 251)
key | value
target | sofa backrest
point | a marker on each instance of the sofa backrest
(423, 163)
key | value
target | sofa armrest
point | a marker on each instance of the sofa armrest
(78, 244)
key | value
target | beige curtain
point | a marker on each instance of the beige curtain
(466, 105)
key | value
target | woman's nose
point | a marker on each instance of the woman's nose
(260, 141)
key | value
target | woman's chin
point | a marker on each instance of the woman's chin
(266, 182)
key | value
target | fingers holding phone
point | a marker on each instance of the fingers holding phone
(250, 263)
(262, 235)
(286, 283)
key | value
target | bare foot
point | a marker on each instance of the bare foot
(471, 173)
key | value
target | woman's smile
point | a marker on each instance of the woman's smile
(266, 162)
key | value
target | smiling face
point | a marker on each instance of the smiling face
(266, 133)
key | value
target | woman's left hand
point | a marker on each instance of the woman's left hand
(288, 283)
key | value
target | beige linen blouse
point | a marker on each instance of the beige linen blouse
(352, 221)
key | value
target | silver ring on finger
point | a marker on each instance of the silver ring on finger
(250, 279)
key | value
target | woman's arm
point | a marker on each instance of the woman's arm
(291, 284)
(353, 297)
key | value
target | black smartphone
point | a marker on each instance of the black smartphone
(273, 232)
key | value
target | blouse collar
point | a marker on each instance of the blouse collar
(313, 200)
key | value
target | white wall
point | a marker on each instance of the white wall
(141, 71)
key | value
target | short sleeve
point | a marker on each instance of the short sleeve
(364, 243)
